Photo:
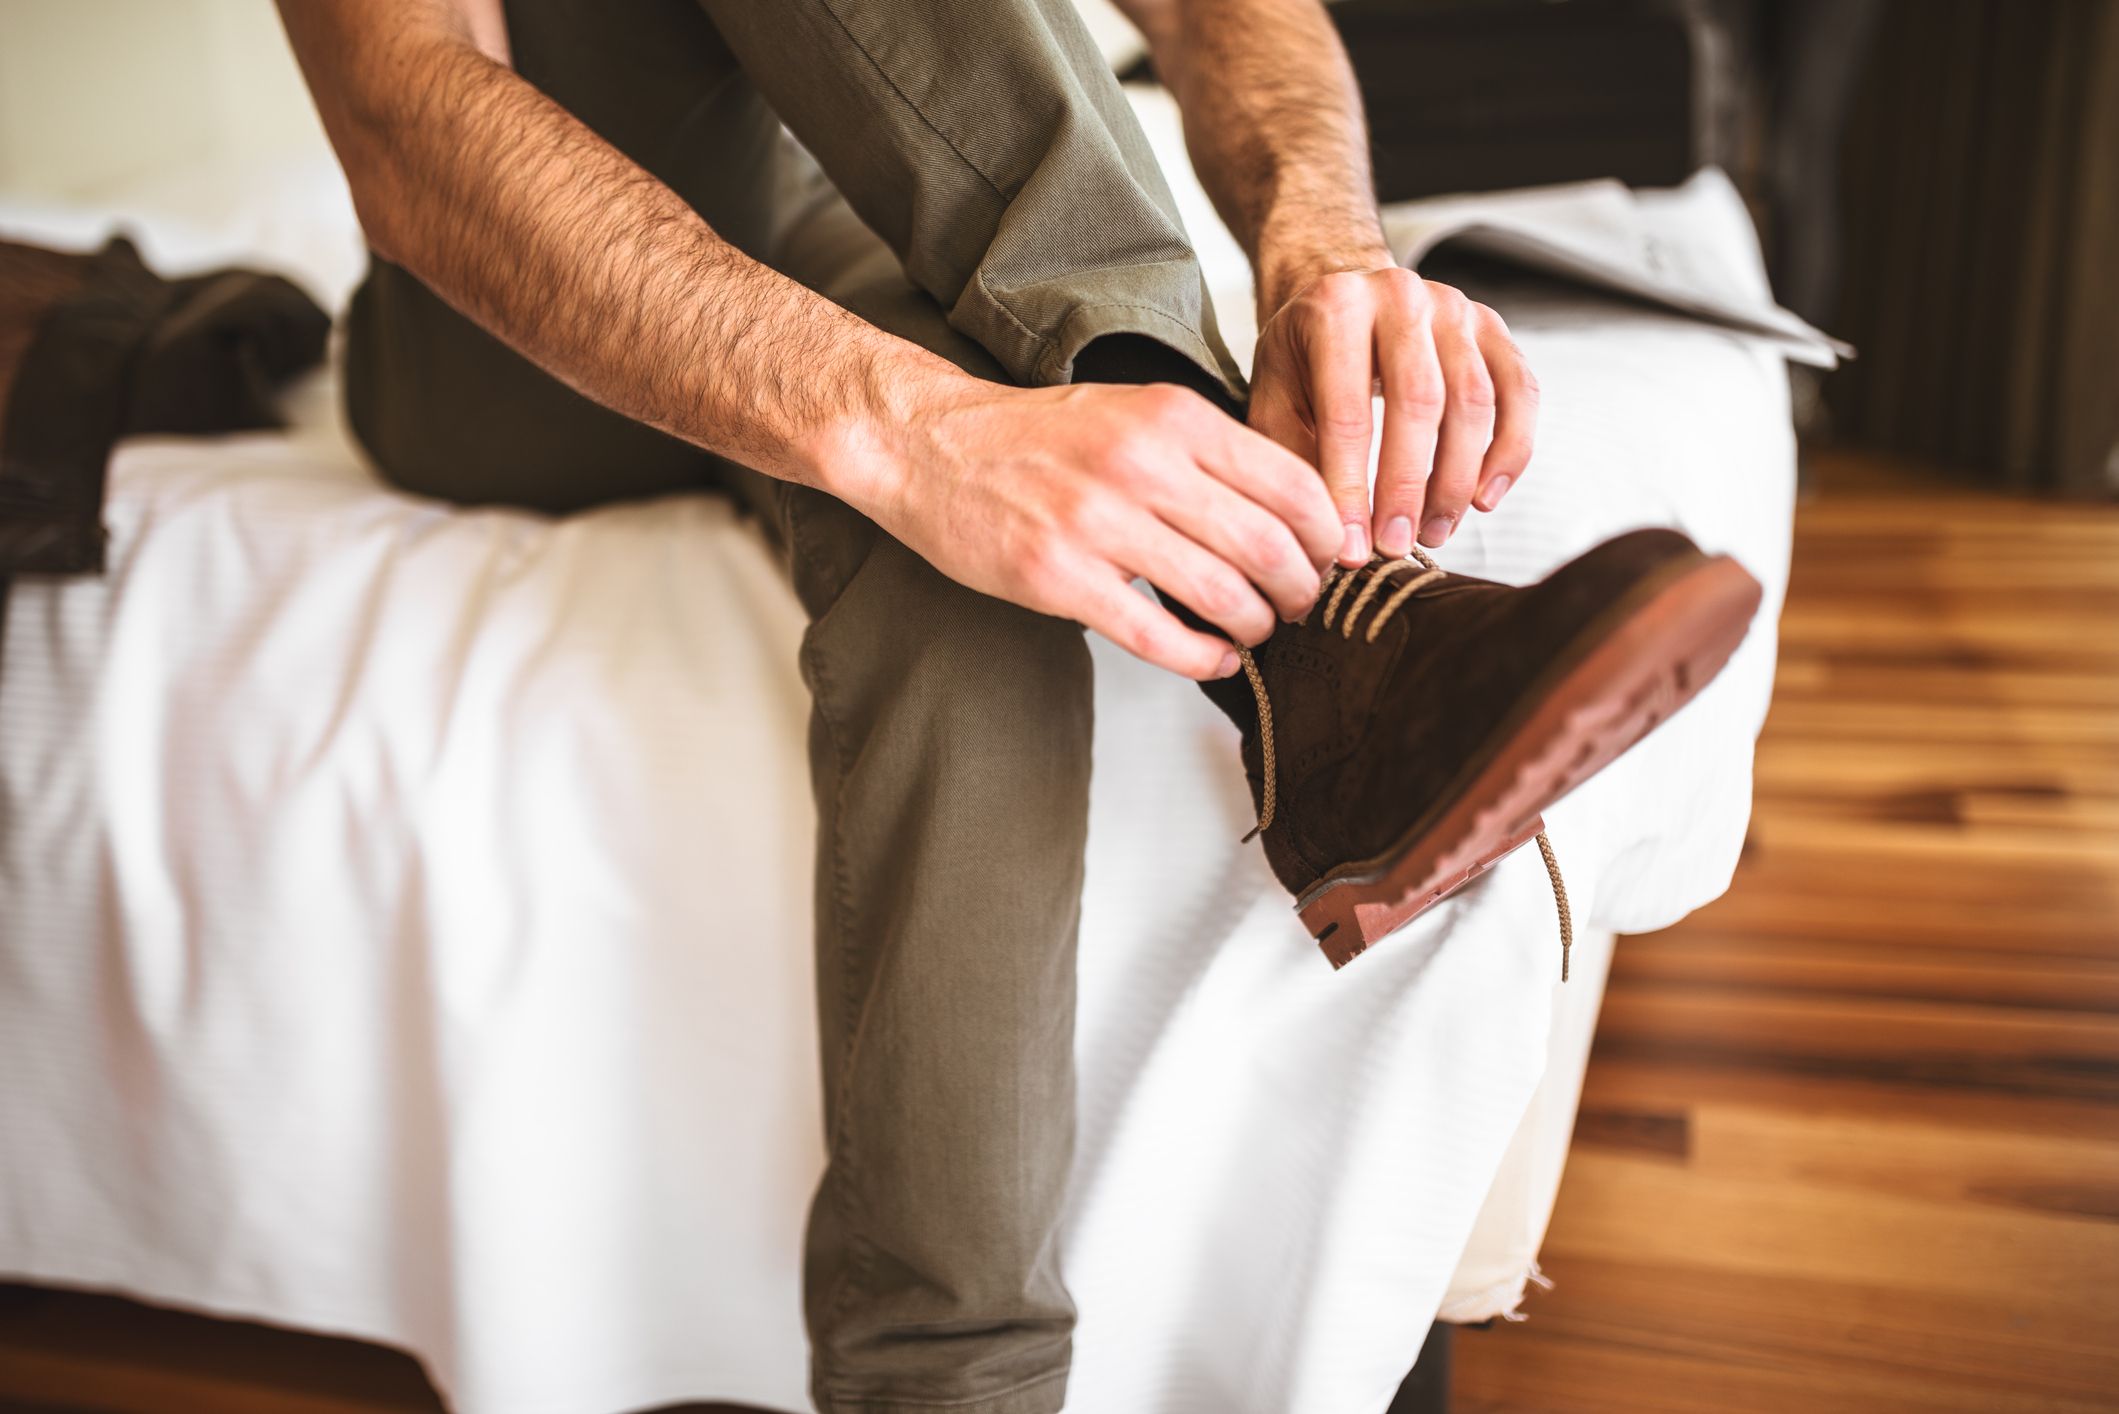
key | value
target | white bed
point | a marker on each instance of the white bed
(365, 964)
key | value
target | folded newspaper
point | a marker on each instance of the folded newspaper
(1649, 245)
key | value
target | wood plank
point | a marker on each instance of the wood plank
(1850, 1136)
(1754, 962)
(1616, 1331)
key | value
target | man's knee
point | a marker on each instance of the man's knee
(902, 649)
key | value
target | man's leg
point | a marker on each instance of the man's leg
(950, 732)
(950, 747)
(991, 148)
(993, 154)
(996, 158)
(448, 410)
(949, 751)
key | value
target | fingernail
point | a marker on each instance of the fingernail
(1437, 530)
(1354, 550)
(1397, 538)
(1229, 664)
(1495, 490)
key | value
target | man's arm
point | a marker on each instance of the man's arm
(1274, 124)
(528, 222)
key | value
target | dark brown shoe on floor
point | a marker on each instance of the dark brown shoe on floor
(1417, 722)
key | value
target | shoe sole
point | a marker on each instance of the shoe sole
(1637, 664)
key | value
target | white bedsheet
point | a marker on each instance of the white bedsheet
(404, 925)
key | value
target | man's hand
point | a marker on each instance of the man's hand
(1459, 403)
(1057, 498)
(1273, 119)
(1053, 498)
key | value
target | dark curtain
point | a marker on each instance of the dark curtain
(1981, 274)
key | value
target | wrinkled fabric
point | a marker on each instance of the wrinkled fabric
(97, 347)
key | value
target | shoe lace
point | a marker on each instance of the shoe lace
(1372, 577)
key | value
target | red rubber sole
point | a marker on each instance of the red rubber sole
(1642, 661)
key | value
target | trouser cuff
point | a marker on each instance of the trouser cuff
(1046, 1394)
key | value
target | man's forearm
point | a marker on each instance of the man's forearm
(1273, 121)
(1055, 499)
(512, 210)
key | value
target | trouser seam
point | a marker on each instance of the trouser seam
(915, 109)
(1043, 344)
(1134, 307)
(839, 1147)
(1189, 340)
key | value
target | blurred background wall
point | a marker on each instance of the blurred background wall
(1935, 180)
(1982, 241)
(96, 94)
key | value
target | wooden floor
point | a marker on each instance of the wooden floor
(1850, 1137)
(1850, 1140)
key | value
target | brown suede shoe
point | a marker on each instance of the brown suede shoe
(1417, 722)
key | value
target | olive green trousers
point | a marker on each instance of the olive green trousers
(985, 191)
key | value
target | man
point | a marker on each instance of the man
(597, 275)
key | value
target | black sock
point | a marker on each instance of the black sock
(1136, 358)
